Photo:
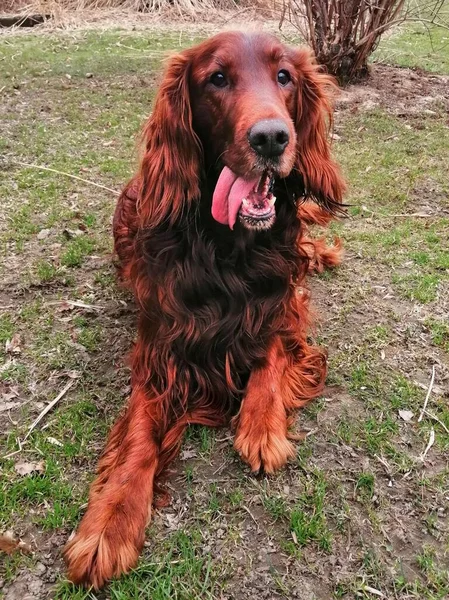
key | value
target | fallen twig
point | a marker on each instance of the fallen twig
(48, 408)
(252, 516)
(220, 468)
(41, 168)
(372, 590)
(228, 438)
(384, 463)
(19, 443)
(430, 443)
(429, 391)
(12, 454)
(435, 418)
(416, 215)
(76, 303)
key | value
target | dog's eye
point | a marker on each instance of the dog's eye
(284, 77)
(218, 80)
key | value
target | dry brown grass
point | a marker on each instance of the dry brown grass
(56, 8)
(203, 17)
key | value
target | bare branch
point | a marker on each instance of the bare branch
(344, 33)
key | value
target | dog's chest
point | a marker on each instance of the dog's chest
(228, 312)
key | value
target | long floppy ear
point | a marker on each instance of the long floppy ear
(322, 178)
(170, 168)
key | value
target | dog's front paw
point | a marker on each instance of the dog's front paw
(263, 443)
(95, 557)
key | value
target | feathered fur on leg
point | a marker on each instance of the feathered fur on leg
(111, 534)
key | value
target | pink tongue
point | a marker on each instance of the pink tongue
(228, 196)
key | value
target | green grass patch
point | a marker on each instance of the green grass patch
(77, 250)
(179, 572)
(46, 271)
(14, 372)
(6, 328)
(35, 492)
(420, 287)
(50, 497)
(364, 487)
(201, 437)
(416, 45)
(101, 53)
(436, 574)
(378, 154)
(275, 505)
(439, 331)
(308, 517)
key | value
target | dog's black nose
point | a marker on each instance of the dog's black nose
(269, 137)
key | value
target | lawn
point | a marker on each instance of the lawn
(363, 510)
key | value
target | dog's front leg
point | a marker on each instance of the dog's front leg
(261, 435)
(112, 532)
(284, 383)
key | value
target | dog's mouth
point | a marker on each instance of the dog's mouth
(249, 199)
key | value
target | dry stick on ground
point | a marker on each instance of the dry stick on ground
(429, 391)
(252, 516)
(403, 215)
(429, 444)
(373, 591)
(435, 418)
(48, 408)
(40, 167)
(19, 443)
(385, 464)
(76, 303)
(39, 418)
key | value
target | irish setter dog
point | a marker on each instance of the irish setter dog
(211, 236)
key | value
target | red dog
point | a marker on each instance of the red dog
(211, 239)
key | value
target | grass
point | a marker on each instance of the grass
(358, 509)
(365, 486)
(179, 572)
(414, 46)
(76, 251)
(439, 330)
(307, 519)
(6, 328)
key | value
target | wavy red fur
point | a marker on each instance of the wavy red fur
(222, 325)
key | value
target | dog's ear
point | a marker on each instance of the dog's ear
(322, 178)
(170, 167)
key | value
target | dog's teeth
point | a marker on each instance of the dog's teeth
(245, 202)
(272, 200)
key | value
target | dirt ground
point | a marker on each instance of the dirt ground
(363, 510)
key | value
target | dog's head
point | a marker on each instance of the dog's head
(246, 110)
